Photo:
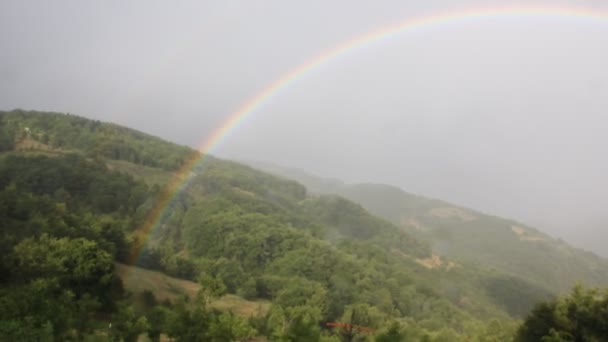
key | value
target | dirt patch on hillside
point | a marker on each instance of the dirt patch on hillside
(243, 191)
(28, 144)
(412, 223)
(137, 280)
(452, 212)
(435, 261)
(525, 235)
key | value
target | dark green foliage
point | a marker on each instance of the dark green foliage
(248, 289)
(77, 264)
(127, 325)
(63, 197)
(179, 266)
(150, 258)
(59, 282)
(27, 330)
(60, 235)
(515, 295)
(157, 318)
(580, 316)
(7, 138)
(393, 333)
(74, 181)
(539, 323)
(229, 272)
(148, 299)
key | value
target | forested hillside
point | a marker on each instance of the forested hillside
(467, 235)
(74, 194)
(54, 132)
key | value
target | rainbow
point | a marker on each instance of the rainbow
(272, 90)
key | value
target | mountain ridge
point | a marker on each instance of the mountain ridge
(435, 220)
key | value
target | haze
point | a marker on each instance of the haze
(507, 116)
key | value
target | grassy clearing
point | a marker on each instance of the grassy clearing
(525, 235)
(28, 144)
(30, 147)
(240, 306)
(136, 280)
(435, 261)
(150, 175)
(452, 212)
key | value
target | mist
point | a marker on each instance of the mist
(504, 115)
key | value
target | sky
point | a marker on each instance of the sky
(506, 114)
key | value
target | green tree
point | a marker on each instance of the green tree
(77, 264)
(157, 319)
(299, 323)
(228, 327)
(127, 325)
(7, 139)
(392, 333)
(580, 316)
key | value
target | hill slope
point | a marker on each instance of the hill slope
(464, 234)
(238, 229)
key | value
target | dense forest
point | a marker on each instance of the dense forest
(74, 197)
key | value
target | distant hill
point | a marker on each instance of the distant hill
(465, 234)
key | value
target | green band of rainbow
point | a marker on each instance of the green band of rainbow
(176, 184)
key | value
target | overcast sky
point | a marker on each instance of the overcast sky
(507, 115)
